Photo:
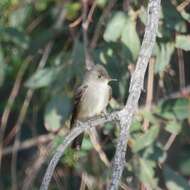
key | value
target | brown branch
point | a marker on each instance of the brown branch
(181, 68)
(43, 139)
(169, 142)
(86, 18)
(21, 117)
(101, 21)
(97, 146)
(183, 5)
(76, 22)
(10, 103)
(150, 87)
(27, 100)
(40, 159)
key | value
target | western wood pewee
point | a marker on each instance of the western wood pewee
(91, 98)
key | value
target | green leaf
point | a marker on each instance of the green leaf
(78, 53)
(56, 113)
(130, 38)
(101, 3)
(175, 108)
(115, 27)
(15, 36)
(185, 15)
(135, 126)
(143, 140)
(147, 173)
(149, 116)
(183, 42)
(174, 127)
(172, 18)
(174, 181)
(42, 78)
(19, 16)
(163, 56)
(155, 152)
(72, 9)
(143, 15)
(86, 144)
(183, 160)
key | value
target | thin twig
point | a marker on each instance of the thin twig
(28, 97)
(85, 24)
(10, 103)
(31, 172)
(136, 86)
(21, 117)
(76, 22)
(101, 21)
(83, 181)
(42, 139)
(170, 142)
(34, 24)
(27, 100)
(149, 96)
(181, 68)
(97, 146)
(183, 5)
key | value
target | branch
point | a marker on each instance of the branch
(136, 86)
(42, 139)
(27, 100)
(21, 118)
(10, 102)
(77, 130)
(101, 21)
(183, 5)
(39, 159)
(85, 24)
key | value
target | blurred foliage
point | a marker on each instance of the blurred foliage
(26, 28)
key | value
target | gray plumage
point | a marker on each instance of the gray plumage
(91, 98)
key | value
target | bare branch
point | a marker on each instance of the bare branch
(136, 86)
(102, 19)
(10, 102)
(150, 90)
(21, 117)
(40, 158)
(27, 100)
(77, 130)
(85, 24)
(42, 139)
(183, 5)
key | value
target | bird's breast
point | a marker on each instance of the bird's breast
(95, 100)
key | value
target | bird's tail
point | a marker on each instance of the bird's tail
(76, 144)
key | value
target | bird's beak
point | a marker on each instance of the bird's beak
(113, 80)
(110, 79)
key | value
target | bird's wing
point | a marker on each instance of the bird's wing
(79, 94)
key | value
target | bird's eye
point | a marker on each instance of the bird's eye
(99, 76)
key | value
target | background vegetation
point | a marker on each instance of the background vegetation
(42, 62)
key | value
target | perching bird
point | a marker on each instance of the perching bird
(91, 98)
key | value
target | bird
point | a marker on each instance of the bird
(91, 98)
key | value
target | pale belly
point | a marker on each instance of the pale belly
(95, 102)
